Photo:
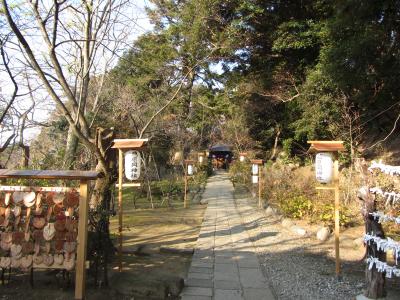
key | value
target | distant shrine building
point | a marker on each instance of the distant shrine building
(220, 156)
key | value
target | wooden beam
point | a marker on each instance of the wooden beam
(129, 184)
(325, 146)
(120, 212)
(257, 161)
(80, 274)
(325, 187)
(133, 144)
(19, 188)
(54, 266)
(337, 216)
(49, 174)
(259, 186)
(185, 200)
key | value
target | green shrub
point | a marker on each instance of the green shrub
(240, 173)
(202, 174)
(326, 213)
(169, 186)
(287, 146)
(296, 206)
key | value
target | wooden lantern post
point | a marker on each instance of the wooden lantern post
(332, 147)
(124, 145)
(259, 163)
(201, 157)
(188, 173)
(242, 157)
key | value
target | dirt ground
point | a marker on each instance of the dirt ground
(157, 253)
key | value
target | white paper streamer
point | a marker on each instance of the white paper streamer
(391, 197)
(383, 267)
(382, 218)
(383, 244)
(387, 169)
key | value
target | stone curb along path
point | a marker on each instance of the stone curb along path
(225, 263)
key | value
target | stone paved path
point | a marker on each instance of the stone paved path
(225, 264)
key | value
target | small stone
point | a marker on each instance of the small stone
(363, 193)
(204, 201)
(323, 234)
(270, 211)
(287, 223)
(298, 230)
(362, 297)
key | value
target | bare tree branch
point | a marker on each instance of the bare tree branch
(77, 131)
(12, 78)
(7, 143)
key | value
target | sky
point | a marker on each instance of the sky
(42, 112)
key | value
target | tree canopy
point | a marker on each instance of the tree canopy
(252, 73)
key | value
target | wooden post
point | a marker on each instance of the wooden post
(337, 216)
(186, 188)
(259, 185)
(120, 212)
(80, 275)
(259, 163)
(121, 145)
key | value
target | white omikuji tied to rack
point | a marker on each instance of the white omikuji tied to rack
(382, 244)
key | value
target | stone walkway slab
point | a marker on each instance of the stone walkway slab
(225, 263)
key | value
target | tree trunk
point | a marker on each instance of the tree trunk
(99, 235)
(376, 282)
(70, 150)
(275, 149)
(100, 203)
(25, 156)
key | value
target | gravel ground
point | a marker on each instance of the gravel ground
(303, 267)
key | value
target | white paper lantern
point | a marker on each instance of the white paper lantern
(254, 179)
(254, 169)
(178, 156)
(241, 158)
(324, 167)
(201, 159)
(133, 163)
(190, 170)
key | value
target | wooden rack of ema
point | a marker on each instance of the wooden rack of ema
(83, 177)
